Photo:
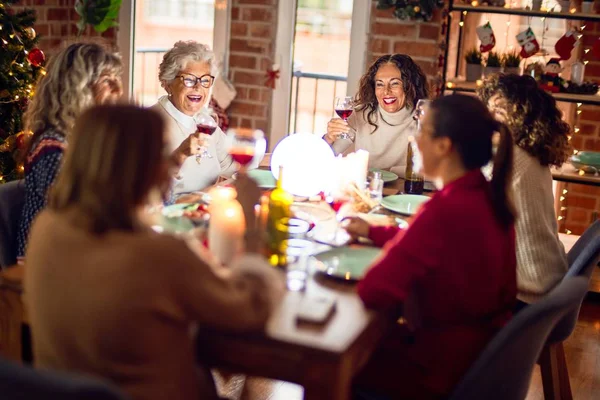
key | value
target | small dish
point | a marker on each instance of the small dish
(346, 263)
(406, 204)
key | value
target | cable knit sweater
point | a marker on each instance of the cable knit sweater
(388, 144)
(541, 258)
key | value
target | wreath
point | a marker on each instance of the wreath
(101, 14)
(411, 9)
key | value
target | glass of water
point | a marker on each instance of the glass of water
(375, 186)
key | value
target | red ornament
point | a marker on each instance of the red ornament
(272, 76)
(20, 142)
(36, 57)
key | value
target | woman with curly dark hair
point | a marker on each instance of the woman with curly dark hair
(541, 140)
(383, 117)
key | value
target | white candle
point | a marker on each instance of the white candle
(226, 230)
(362, 166)
(220, 194)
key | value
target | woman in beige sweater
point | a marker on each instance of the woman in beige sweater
(541, 138)
(384, 106)
(109, 297)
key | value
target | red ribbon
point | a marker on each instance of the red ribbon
(272, 76)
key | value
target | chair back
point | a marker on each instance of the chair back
(20, 383)
(583, 266)
(12, 198)
(590, 233)
(503, 370)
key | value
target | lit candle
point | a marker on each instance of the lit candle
(362, 167)
(226, 230)
(220, 194)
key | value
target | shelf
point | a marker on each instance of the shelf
(526, 13)
(461, 86)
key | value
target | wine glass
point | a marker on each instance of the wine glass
(205, 125)
(344, 106)
(420, 110)
(336, 200)
(246, 145)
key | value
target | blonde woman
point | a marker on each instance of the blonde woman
(78, 77)
(187, 73)
(129, 297)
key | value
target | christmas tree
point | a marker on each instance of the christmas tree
(20, 65)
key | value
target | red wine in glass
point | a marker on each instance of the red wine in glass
(344, 114)
(336, 203)
(242, 156)
(206, 129)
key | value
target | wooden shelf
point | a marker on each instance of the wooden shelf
(524, 12)
(461, 86)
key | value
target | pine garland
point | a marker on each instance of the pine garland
(418, 10)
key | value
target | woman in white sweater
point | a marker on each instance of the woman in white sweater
(187, 72)
(541, 139)
(383, 118)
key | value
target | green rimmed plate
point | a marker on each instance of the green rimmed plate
(387, 176)
(264, 178)
(406, 204)
(346, 263)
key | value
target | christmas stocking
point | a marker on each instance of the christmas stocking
(565, 45)
(596, 48)
(486, 35)
(528, 42)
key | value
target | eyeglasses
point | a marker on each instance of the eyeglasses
(190, 81)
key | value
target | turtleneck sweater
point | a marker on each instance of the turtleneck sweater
(387, 144)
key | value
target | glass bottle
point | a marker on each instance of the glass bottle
(413, 182)
(577, 72)
(280, 203)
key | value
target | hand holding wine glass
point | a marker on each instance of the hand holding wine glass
(205, 125)
(344, 107)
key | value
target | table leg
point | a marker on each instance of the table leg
(332, 382)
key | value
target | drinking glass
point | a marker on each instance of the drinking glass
(336, 201)
(420, 110)
(344, 107)
(205, 125)
(375, 186)
(245, 146)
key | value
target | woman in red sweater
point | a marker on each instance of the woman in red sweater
(452, 273)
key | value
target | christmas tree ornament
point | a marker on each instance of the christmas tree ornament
(36, 57)
(528, 42)
(20, 140)
(565, 45)
(487, 37)
(30, 32)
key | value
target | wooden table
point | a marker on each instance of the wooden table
(322, 358)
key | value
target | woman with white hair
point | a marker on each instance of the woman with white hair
(187, 73)
(78, 77)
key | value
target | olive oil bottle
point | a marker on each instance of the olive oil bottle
(280, 203)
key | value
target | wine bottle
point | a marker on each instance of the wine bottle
(413, 182)
(280, 203)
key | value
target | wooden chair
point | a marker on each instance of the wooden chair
(12, 313)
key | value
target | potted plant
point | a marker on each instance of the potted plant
(493, 64)
(474, 67)
(511, 62)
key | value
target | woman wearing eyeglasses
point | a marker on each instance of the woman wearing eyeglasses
(187, 73)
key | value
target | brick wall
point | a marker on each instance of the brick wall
(582, 200)
(252, 47)
(56, 23)
(419, 40)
